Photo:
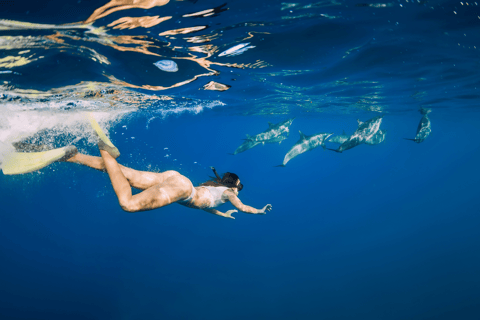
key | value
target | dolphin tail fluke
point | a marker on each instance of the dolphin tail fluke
(334, 150)
(280, 165)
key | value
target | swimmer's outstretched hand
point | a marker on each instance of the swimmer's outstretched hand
(264, 210)
(228, 214)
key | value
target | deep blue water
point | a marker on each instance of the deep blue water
(388, 231)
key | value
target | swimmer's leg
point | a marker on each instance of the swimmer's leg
(103, 142)
(89, 161)
(138, 179)
(172, 190)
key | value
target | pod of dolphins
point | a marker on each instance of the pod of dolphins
(367, 132)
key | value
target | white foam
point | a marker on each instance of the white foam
(57, 118)
(193, 107)
(50, 127)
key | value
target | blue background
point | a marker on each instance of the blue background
(377, 232)
(385, 231)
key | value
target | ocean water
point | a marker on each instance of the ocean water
(386, 231)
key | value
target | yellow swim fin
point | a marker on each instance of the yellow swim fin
(24, 162)
(104, 143)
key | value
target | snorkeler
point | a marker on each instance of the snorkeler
(159, 189)
(164, 188)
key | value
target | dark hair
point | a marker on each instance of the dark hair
(229, 180)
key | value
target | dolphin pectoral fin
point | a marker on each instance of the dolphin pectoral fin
(334, 150)
(324, 146)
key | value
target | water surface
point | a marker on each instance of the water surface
(388, 231)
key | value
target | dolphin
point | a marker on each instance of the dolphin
(365, 131)
(306, 143)
(247, 144)
(424, 127)
(278, 139)
(275, 133)
(339, 139)
(377, 138)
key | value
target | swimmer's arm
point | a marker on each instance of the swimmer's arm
(244, 208)
(227, 214)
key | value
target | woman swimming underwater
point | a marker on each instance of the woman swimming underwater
(164, 188)
(159, 189)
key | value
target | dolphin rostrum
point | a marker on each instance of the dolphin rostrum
(275, 133)
(424, 127)
(365, 131)
(377, 138)
(306, 143)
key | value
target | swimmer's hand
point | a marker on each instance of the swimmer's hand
(228, 214)
(264, 210)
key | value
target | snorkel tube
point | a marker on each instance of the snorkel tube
(216, 174)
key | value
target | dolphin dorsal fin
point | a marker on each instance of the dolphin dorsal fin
(359, 122)
(248, 136)
(302, 136)
(270, 125)
(343, 133)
